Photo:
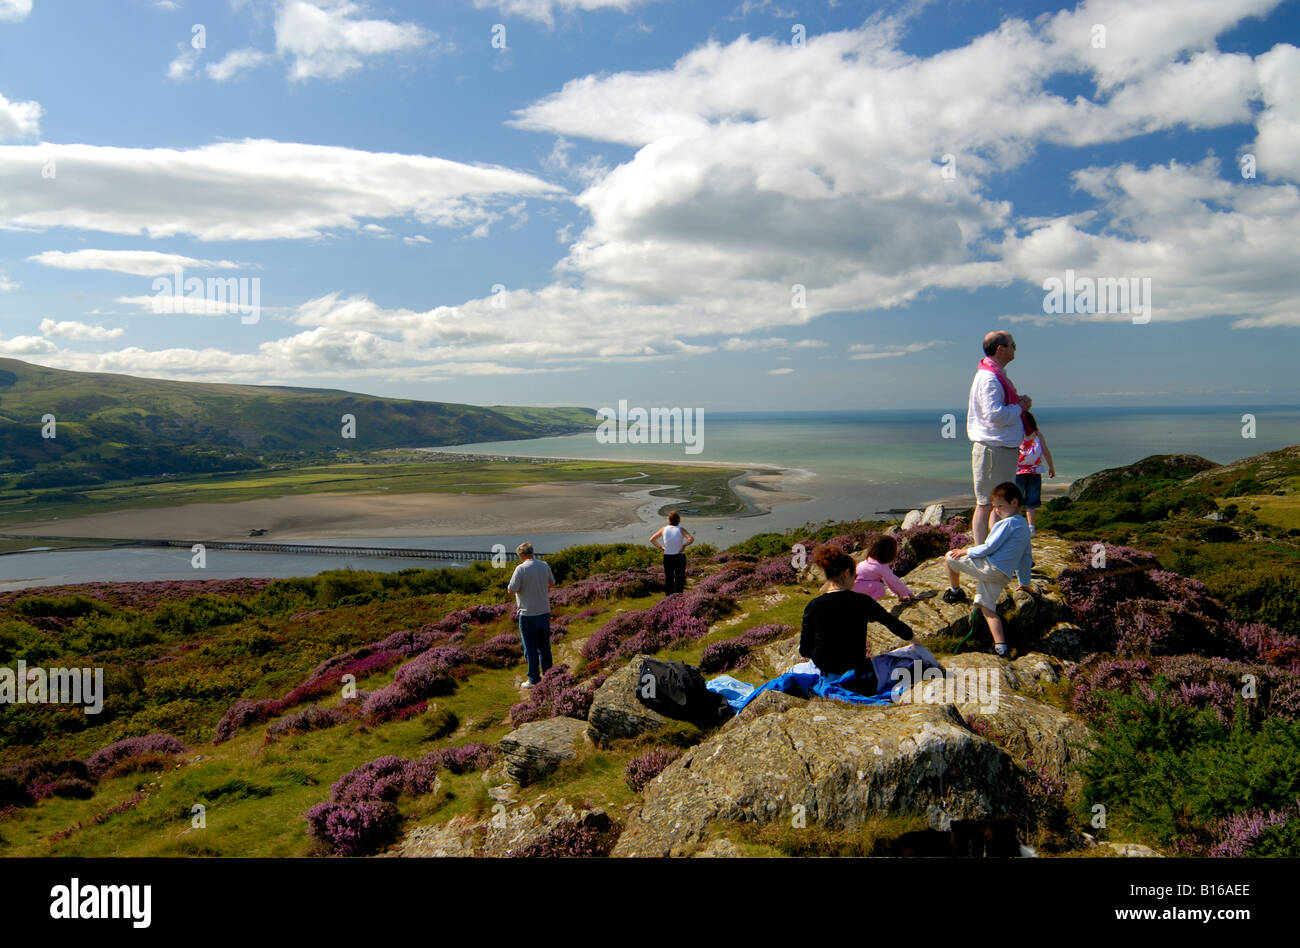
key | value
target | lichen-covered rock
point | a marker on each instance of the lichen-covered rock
(537, 748)
(615, 710)
(933, 516)
(841, 763)
(1036, 668)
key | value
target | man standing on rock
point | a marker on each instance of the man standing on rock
(532, 582)
(994, 426)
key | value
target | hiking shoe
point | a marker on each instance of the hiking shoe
(953, 596)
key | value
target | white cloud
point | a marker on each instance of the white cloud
(748, 345)
(26, 345)
(416, 239)
(70, 329)
(133, 262)
(249, 190)
(15, 9)
(18, 119)
(326, 40)
(240, 60)
(166, 4)
(873, 351)
(1277, 147)
(786, 371)
(182, 67)
(6, 284)
(544, 10)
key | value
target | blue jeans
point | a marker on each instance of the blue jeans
(535, 633)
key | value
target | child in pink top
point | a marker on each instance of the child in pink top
(874, 574)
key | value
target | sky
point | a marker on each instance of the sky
(745, 205)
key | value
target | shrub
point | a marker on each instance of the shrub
(641, 770)
(593, 835)
(353, 829)
(500, 651)
(99, 762)
(70, 787)
(138, 764)
(308, 719)
(558, 694)
(439, 723)
(1176, 772)
(379, 779)
(241, 714)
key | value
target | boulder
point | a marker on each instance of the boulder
(1039, 735)
(615, 710)
(537, 748)
(1035, 668)
(933, 516)
(841, 763)
(912, 519)
(506, 831)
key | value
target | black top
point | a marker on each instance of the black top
(834, 632)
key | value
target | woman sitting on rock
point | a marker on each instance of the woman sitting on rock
(834, 631)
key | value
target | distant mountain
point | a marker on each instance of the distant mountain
(108, 427)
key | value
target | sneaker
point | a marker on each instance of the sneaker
(953, 596)
(1002, 649)
(526, 684)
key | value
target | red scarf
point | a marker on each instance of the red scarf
(1009, 393)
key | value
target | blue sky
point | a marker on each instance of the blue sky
(644, 183)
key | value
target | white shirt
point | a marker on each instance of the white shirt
(672, 540)
(989, 419)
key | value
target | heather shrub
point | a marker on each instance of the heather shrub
(641, 770)
(558, 694)
(140, 764)
(99, 762)
(922, 543)
(722, 655)
(593, 835)
(71, 787)
(500, 651)
(461, 760)
(734, 652)
(1193, 681)
(353, 829)
(379, 779)
(1258, 832)
(243, 713)
(1133, 607)
(308, 719)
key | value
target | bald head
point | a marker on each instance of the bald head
(996, 339)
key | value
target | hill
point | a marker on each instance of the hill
(109, 427)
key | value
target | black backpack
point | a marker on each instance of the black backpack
(677, 690)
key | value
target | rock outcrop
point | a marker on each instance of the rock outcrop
(833, 765)
(537, 748)
(615, 711)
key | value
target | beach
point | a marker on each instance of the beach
(533, 508)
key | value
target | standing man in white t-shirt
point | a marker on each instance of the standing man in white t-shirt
(673, 540)
(994, 426)
(532, 582)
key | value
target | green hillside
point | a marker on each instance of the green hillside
(110, 427)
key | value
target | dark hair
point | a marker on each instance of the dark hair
(674, 518)
(995, 339)
(1031, 423)
(1008, 492)
(832, 560)
(884, 549)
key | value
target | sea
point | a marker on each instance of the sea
(849, 464)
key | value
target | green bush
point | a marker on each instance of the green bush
(1171, 771)
(579, 562)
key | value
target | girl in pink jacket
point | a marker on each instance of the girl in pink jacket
(874, 573)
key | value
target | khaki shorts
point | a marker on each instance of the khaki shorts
(991, 467)
(991, 579)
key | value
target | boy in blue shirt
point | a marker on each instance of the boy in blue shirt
(1006, 551)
